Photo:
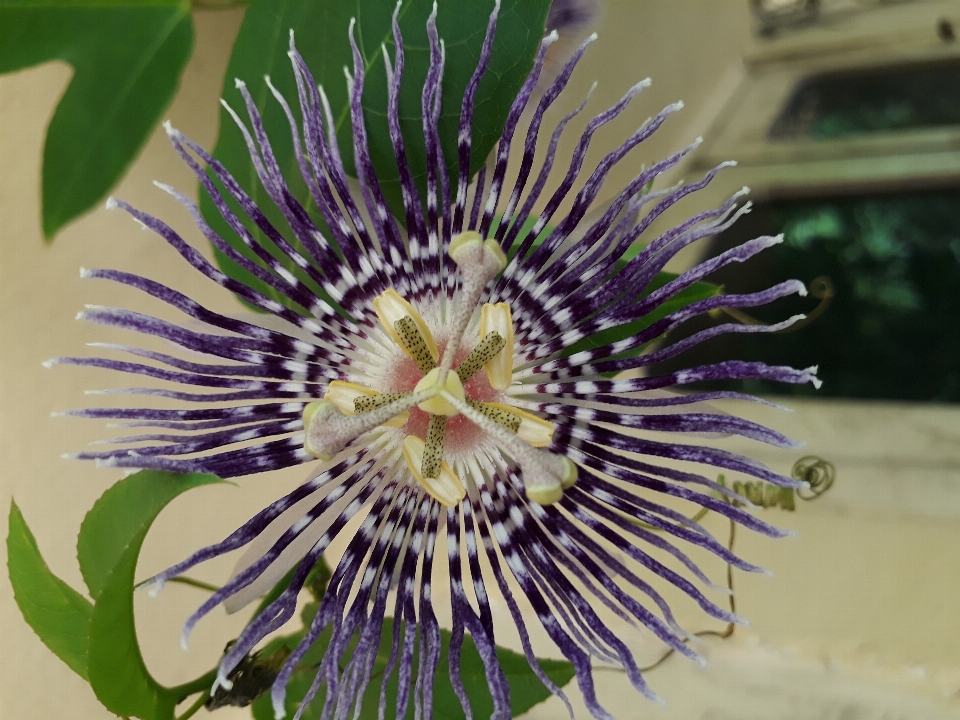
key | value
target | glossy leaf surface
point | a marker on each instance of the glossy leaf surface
(127, 57)
(526, 690)
(321, 30)
(58, 614)
(108, 547)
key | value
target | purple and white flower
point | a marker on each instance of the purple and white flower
(430, 385)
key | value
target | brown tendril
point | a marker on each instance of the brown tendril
(815, 471)
(821, 287)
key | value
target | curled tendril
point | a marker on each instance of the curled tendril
(765, 495)
(816, 472)
(821, 287)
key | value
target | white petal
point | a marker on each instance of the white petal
(293, 552)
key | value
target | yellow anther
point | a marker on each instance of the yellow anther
(390, 307)
(480, 261)
(433, 450)
(412, 341)
(491, 344)
(498, 318)
(368, 403)
(437, 405)
(345, 394)
(500, 414)
(534, 430)
(445, 489)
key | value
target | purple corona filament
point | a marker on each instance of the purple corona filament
(528, 469)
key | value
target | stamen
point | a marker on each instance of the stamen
(329, 430)
(346, 395)
(491, 344)
(480, 261)
(498, 413)
(390, 307)
(372, 402)
(445, 489)
(412, 341)
(544, 474)
(433, 450)
(533, 429)
(498, 318)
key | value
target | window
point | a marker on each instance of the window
(892, 329)
(844, 104)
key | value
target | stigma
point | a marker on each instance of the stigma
(433, 394)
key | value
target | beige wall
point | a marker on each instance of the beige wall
(861, 607)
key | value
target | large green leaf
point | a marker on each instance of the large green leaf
(526, 690)
(110, 540)
(119, 520)
(321, 32)
(127, 57)
(58, 614)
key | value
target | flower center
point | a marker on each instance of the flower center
(434, 397)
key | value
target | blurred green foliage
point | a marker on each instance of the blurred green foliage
(892, 330)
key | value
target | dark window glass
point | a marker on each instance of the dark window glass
(892, 329)
(900, 97)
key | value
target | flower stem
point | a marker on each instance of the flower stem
(184, 581)
(189, 688)
(728, 631)
(193, 709)
(194, 583)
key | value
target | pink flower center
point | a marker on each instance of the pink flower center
(461, 436)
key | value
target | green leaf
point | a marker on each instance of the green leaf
(58, 614)
(321, 28)
(526, 690)
(108, 547)
(127, 57)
